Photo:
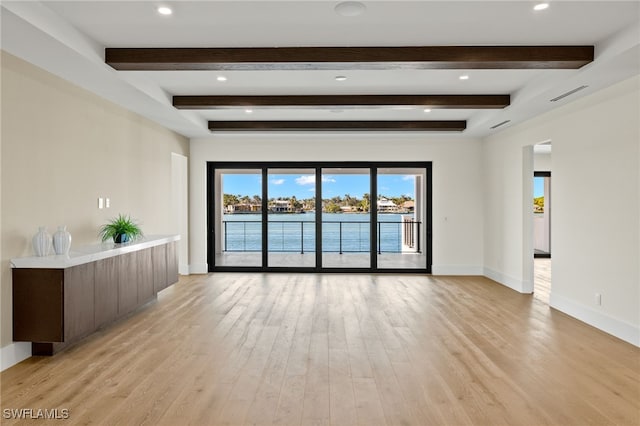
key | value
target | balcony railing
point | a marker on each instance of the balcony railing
(337, 236)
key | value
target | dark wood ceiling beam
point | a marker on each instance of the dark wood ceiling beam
(344, 101)
(416, 126)
(345, 58)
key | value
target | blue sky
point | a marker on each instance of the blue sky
(538, 187)
(303, 186)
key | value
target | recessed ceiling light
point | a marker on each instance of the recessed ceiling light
(221, 78)
(248, 111)
(341, 78)
(541, 6)
(350, 8)
(427, 110)
(164, 10)
(464, 77)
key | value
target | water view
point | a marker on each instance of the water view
(295, 232)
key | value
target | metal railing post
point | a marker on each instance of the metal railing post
(225, 236)
(379, 246)
(301, 237)
(340, 236)
(418, 238)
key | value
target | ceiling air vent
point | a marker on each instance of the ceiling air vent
(500, 124)
(570, 92)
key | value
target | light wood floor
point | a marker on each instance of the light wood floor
(296, 349)
(542, 279)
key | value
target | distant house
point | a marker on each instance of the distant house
(386, 206)
(408, 206)
(281, 206)
(248, 208)
(348, 209)
(243, 208)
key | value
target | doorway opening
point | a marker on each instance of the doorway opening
(542, 207)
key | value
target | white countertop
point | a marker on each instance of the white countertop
(91, 253)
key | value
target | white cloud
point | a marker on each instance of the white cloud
(306, 180)
(408, 177)
(311, 179)
(277, 181)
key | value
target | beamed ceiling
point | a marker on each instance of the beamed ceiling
(351, 58)
(258, 66)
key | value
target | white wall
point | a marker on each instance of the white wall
(541, 162)
(457, 182)
(596, 244)
(62, 148)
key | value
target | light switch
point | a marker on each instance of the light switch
(100, 203)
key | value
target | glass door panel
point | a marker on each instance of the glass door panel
(291, 227)
(238, 217)
(401, 218)
(346, 223)
(541, 214)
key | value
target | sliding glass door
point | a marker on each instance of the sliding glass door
(237, 218)
(401, 217)
(346, 218)
(373, 217)
(291, 228)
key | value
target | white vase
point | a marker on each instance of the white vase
(62, 240)
(42, 242)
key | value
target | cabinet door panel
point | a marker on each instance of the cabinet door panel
(127, 283)
(172, 263)
(159, 254)
(38, 305)
(106, 292)
(78, 300)
(145, 276)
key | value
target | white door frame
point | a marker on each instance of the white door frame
(180, 208)
(527, 219)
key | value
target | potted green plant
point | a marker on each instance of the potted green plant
(121, 229)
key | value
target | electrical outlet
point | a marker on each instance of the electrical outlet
(107, 203)
(598, 299)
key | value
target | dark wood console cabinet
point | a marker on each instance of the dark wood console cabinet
(53, 307)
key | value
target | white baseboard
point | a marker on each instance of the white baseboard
(621, 329)
(506, 280)
(456, 270)
(198, 268)
(14, 353)
(183, 269)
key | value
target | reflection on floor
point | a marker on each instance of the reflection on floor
(542, 279)
(329, 260)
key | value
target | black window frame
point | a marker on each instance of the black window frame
(373, 167)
